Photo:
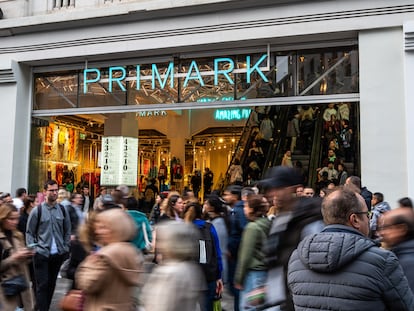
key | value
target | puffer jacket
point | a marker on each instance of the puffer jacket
(405, 254)
(340, 269)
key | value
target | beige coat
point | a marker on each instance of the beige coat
(108, 277)
(9, 268)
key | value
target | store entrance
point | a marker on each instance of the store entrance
(68, 148)
(177, 147)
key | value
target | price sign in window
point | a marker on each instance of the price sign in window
(119, 161)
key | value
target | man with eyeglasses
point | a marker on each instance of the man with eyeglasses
(48, 230)
(341, 268)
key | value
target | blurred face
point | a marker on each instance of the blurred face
(207, 207)
(308, 192)
(229, 198)
(85, 191)
(78, 199)
(158, 199)
(248, 211)
(102, 232)
(390, 233)
(282, 198)
(179, 206)
(10, 223)
(299, 192)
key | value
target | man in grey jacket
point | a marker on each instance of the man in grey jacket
(341, 268)
(48, 230)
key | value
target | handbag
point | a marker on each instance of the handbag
(256, 297)
(14, 285)
(72, 301)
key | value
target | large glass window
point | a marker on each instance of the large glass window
(68, 147)
(234, 77)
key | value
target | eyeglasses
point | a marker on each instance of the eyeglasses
(368, 213)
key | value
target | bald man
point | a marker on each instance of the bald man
(396, 229)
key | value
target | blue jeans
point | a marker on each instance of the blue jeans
(253, 280)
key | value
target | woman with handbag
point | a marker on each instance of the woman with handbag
(15, 290)
(108, 277)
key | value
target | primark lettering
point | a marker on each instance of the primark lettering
(118, 75)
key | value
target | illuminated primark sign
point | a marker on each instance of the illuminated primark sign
(117, 75)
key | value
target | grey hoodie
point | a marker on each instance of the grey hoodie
(340, 269)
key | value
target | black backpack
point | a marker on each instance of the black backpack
(207, 255)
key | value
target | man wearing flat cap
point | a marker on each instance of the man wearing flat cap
(296, 218)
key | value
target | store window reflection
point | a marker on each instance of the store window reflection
(56, 91)
(200, 80)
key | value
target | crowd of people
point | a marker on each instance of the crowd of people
(277, 245)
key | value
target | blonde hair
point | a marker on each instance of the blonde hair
(122, 226)
(62, 194)
(5, 210)
(177, 240)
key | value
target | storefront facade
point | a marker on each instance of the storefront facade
(91, 50)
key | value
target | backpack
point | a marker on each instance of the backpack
(285, 232)
(207, 255)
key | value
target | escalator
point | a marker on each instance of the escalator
(275, 150)
(279, 115)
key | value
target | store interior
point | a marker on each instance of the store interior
(69, 148)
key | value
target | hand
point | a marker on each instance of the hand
(238, 286)
(22, 254)
(219, 287)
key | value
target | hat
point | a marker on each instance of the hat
(234, 189)
(281, 177)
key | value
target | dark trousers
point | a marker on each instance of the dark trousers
(206, 302)
(232, 263)
(46, 271)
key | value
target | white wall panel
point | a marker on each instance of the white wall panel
(383, 126)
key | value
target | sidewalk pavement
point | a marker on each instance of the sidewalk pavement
(63, 285)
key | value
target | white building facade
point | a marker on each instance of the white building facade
(58, 35)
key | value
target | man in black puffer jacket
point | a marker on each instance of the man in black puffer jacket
(341, 268)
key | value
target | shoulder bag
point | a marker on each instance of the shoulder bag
(14, 286)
